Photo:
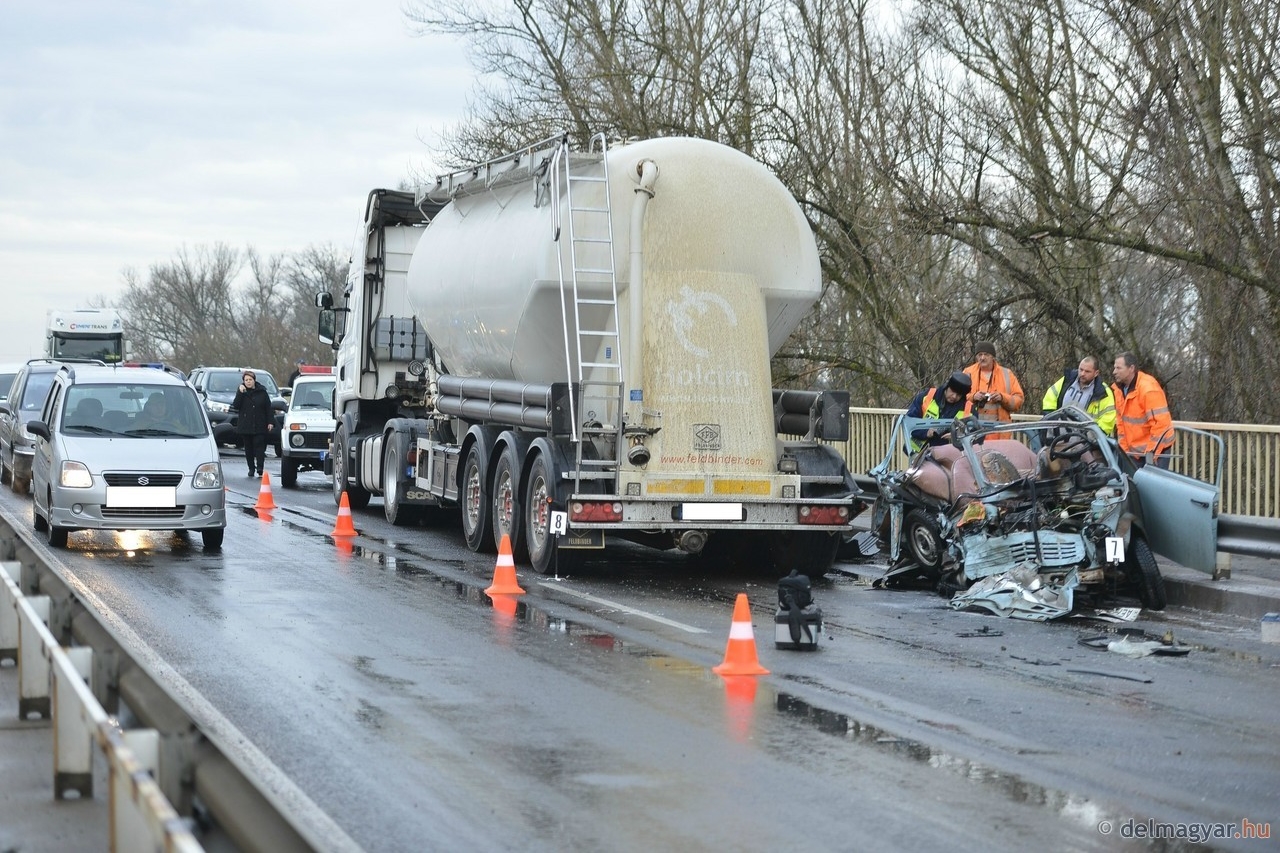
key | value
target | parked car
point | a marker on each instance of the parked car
(125, 448)
(217, 388)
(26, 397)
(7, 374)
(308, 427)
(1015, 530)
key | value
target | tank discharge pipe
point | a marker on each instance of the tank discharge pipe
(647, 170)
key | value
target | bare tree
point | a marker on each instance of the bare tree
(184, 307)
(219, 306)
(1063, 176)
(316, 269)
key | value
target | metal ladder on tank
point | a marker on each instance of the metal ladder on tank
(596, 414)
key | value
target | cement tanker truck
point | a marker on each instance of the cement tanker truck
(568, 346)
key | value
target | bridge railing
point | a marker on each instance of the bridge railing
(1251, 470)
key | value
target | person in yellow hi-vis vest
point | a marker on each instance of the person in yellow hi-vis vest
(942, 403)
(996, 393)
(1084, 389)
(1144, 427)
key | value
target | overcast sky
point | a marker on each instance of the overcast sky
(132, 128)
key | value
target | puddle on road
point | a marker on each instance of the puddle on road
(744, 695)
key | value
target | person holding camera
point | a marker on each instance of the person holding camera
(996, 393)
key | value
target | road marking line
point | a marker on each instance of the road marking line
(624, 608)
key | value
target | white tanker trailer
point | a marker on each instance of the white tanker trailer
(573, 345)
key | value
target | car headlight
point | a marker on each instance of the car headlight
(74, 475)
(215, 406)
(208, 476)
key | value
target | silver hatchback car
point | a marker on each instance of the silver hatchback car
(125, 448)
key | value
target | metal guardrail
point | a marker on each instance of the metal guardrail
(1249, 536)
(54, 680)
(1250, 463)
(175, 763)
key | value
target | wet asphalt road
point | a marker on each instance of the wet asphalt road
(420, 716)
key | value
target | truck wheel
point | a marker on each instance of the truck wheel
(545, 555)
(357, 498)
(923, 538)
(1144, 572)
(506, 511)
(289, 472)
(476, 523)
(393, 461)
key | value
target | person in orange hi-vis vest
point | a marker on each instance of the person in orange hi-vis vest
(996, 393)
(1144, 427)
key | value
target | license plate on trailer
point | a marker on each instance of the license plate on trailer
(141, 496)
(711, 512)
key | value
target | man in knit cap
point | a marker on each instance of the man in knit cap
(996, 393)
(946, 403)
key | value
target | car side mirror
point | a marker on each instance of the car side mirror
(39, 428)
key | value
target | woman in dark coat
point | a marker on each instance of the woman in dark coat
(255, 420)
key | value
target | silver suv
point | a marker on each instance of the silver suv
(22, 404)
(217, 388)
(125, 448)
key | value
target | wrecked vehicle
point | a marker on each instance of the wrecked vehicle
(1020, 523)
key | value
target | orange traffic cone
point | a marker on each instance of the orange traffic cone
(265, 501)
(740, 655)
(504, 574)
(343, 526)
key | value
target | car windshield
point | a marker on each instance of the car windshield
(312, 395)
(6, 382)
(134, 410)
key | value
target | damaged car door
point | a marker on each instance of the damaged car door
(1180, 511)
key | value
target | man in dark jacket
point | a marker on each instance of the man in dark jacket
(1084, 389)
(943, 404)
(255, 420)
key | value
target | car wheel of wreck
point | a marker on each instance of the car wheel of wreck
(1144, 573)
(923, 540)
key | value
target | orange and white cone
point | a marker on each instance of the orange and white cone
(740, 655)
(504, 573)
(343, 525)
(265, 501)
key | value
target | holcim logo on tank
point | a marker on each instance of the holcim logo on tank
(690, 313)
